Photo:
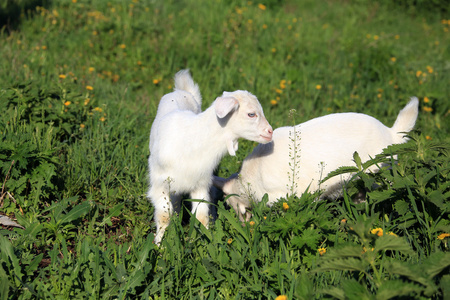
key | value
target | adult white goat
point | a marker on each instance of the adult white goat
(186, 145)
(314, 148)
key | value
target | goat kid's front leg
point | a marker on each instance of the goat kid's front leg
(201, 209)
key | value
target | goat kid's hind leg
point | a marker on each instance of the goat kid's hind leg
(163, 210)
(201, 209)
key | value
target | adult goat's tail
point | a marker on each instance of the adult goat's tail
(406, 120)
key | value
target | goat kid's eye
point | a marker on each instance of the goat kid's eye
(252, 115)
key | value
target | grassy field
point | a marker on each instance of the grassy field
(80, 82)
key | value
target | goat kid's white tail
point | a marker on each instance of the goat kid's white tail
(406, 119)
(184, 82)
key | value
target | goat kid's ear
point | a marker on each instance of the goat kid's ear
(219, 182)
(224, 105)
(225, 184)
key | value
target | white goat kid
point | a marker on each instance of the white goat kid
(322, 145)
(186, 145)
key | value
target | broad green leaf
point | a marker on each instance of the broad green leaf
(334, 292)
(437, 198)
(401, 206)
(381, 195)
(340, 171)
(395, 288)
(34, 264)
(132, 282)
(4, 284)
(392, 242)
(344, 264)
(76, 212)
(357, 160)
(10, 257)
(308, 237)
(355, 290)
(436, 263)
(405, 269)
(114, 212)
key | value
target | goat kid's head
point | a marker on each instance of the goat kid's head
(236, 198)
(243, 114)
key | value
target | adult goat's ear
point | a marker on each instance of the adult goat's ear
(224, 105)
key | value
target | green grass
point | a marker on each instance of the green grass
(80, 82)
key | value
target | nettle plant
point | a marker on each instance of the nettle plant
(41, 123)
(405, 212)
(382, 265)
(410, 194)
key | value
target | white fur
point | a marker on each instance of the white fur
(186, 145)
(322, 145)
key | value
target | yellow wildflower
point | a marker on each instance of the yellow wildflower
(122, 46)
(264, 26)
(252, 223)
(318, 87)
(98, 109)
(376, 37)
(283, 84)
(391, 233)
(377, 231)
(281, 297)
(428, 137)
(67, 103)
(82, 126)
(261, 6)
(418, 73)
(102, 119)
(156, 81)
(274, 50)
(365, 249)
(443, 236)
(62, 76)
(89, 88)
(426, 100)
(273, 102)
(285, 206)
(393, 59)
(322, 251)
(397, 37)
(230, 240)
(278, 91)
(429, 69)
(427, 109)
(91, 69)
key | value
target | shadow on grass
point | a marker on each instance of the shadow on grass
(11, 12)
